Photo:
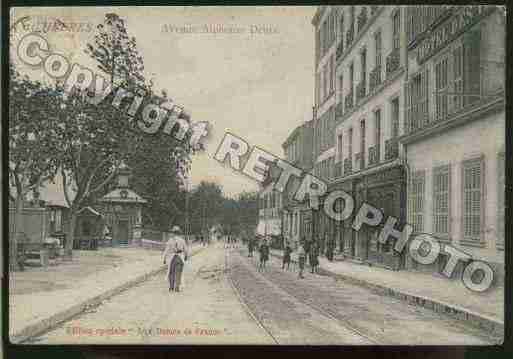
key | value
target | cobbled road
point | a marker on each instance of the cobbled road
(227, 300)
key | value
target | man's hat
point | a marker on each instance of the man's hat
(176, 229)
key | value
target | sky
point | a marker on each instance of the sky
(256, 82)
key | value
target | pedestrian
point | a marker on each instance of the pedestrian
(314, 257)
(251, 247)
(264, 254)
(175, 254)
(301, 258)
(286, 256)
(330, 249)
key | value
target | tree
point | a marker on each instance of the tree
(34, 153)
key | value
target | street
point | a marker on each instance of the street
(226, 300)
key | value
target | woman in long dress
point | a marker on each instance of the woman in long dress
(176, 254)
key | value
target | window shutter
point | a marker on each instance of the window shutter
(472, 65)
(407, 107)
(424, 99)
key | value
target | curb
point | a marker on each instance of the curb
(48, 323)
(481, 321)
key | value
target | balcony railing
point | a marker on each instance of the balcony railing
(338, 169)
(349, 36)
(348, 101)
(393, 62)
(375, 78)
(362, 19)
(391, 149)
(373, 155)
(338, 111)
(340, 49)
(348, 166)
(360, 91)
(359, 161)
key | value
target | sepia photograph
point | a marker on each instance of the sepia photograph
(256, 175)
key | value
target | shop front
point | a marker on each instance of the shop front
(385, 190)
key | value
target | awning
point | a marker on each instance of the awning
(269, 227)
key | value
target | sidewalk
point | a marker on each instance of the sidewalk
(434, 292)
(40, 297)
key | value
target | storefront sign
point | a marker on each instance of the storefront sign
(446, 32)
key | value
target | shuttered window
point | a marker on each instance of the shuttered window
(342, 28)
(396, 23)
(350, 143)
(377, 128)
(457, 70)
(395, 117)
(417, 101)
(441, 200)
(501, 194)
(362, 144)
(472, 65)
(472, 198)
(377, 43)
(416, 206)
(339, 147)
(441, 89)
(332, 76)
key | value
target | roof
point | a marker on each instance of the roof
(116, 196)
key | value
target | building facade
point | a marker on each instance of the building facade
(454, 129)
(359, 120)
(297, 217)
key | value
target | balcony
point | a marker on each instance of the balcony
(340, 49)
(349, 36)
(393, 62)
(338, 169)
(362, 19)
(373, 155)
(348, 101)
(375, 78)
(391, 149)
(338, 111)
(360, 91)
(359, 161)
(348, 166)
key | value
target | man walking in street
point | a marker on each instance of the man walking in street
(175, 254)
(286, 256)
(264, 254)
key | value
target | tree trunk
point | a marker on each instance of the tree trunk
(70, 236)
(18, 230)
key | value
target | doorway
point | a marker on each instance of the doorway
(123, 233)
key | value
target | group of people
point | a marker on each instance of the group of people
(308, 251)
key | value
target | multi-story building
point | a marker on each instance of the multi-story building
(298, 149)
(270, 212)
(454, 130)
(359, 119)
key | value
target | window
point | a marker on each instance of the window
(342, 28)
(341, 88)
(377, 42)
(457, 101)
(441, 89)
(472, 69)
(350, 143)
(364, 67)
(396, 23)
(332, 77)
(362, 143)
(395, 117)
(377, 128)
(441, 200)
(501, 186)
(351, 77)
(417, 201)
(339, 147)
(326, 79)
(417, 111)
(472, 198)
